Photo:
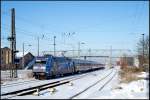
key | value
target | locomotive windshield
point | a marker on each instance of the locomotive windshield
(40, 62)
(39, 65)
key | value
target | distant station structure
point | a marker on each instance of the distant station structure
(108, 57)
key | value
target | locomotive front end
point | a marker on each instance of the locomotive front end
(39, 67)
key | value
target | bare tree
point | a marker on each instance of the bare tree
(123, 62)
(146, 50)
(147, 47)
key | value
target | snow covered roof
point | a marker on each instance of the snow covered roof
(20, 54)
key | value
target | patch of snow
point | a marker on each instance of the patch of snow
(143, 75)
(20, 54)
(22, 75)
(134, 90)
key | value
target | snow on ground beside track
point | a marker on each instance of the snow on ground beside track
(138, 89)
(143, 75)
(36, 83)
(16, 81)
(134, 90)
(23, 75)
(105, 92)
(96, 88)
(66, 91)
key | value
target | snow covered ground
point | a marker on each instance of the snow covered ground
(19, 84)
(138, 89)
(113, 90)
(22, 75)
(67, 90)
(135, 90)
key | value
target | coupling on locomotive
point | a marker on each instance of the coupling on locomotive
(50, 66)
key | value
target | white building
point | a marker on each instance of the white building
(136, 62)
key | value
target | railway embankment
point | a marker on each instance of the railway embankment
(133, 84)
(130, 74)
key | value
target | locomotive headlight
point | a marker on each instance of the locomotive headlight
(46, 72)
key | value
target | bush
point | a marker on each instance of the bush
(146, 68)
(129, 74)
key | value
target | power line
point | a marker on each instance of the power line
(27, 33)
(41, 26)
(6, 26)
(21, 31)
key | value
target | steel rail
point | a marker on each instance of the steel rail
(107, 82)
(90, 86)
(42, 87)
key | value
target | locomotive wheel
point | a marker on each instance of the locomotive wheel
(36, 77)
(47, 77)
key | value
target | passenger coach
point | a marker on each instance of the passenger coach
(50, 66)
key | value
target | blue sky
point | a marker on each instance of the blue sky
(98, 24)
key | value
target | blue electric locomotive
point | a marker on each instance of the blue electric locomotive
(49, 66)
(52, 66)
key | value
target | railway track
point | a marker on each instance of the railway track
(18, 83)
(101, 87)
(33, 89)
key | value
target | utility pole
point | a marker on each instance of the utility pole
(78, 50)
(110, 56)
(73, 51)
(90, 55)
(23, 49)
(89, 52)
(38, 47)
(12, 39)
(0, 47)
(54, 46)
(13, 43)
(23, 55)
(143, 51)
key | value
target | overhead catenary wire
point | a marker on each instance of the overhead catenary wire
(35, 24)
(28, 33)
(23, 32)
